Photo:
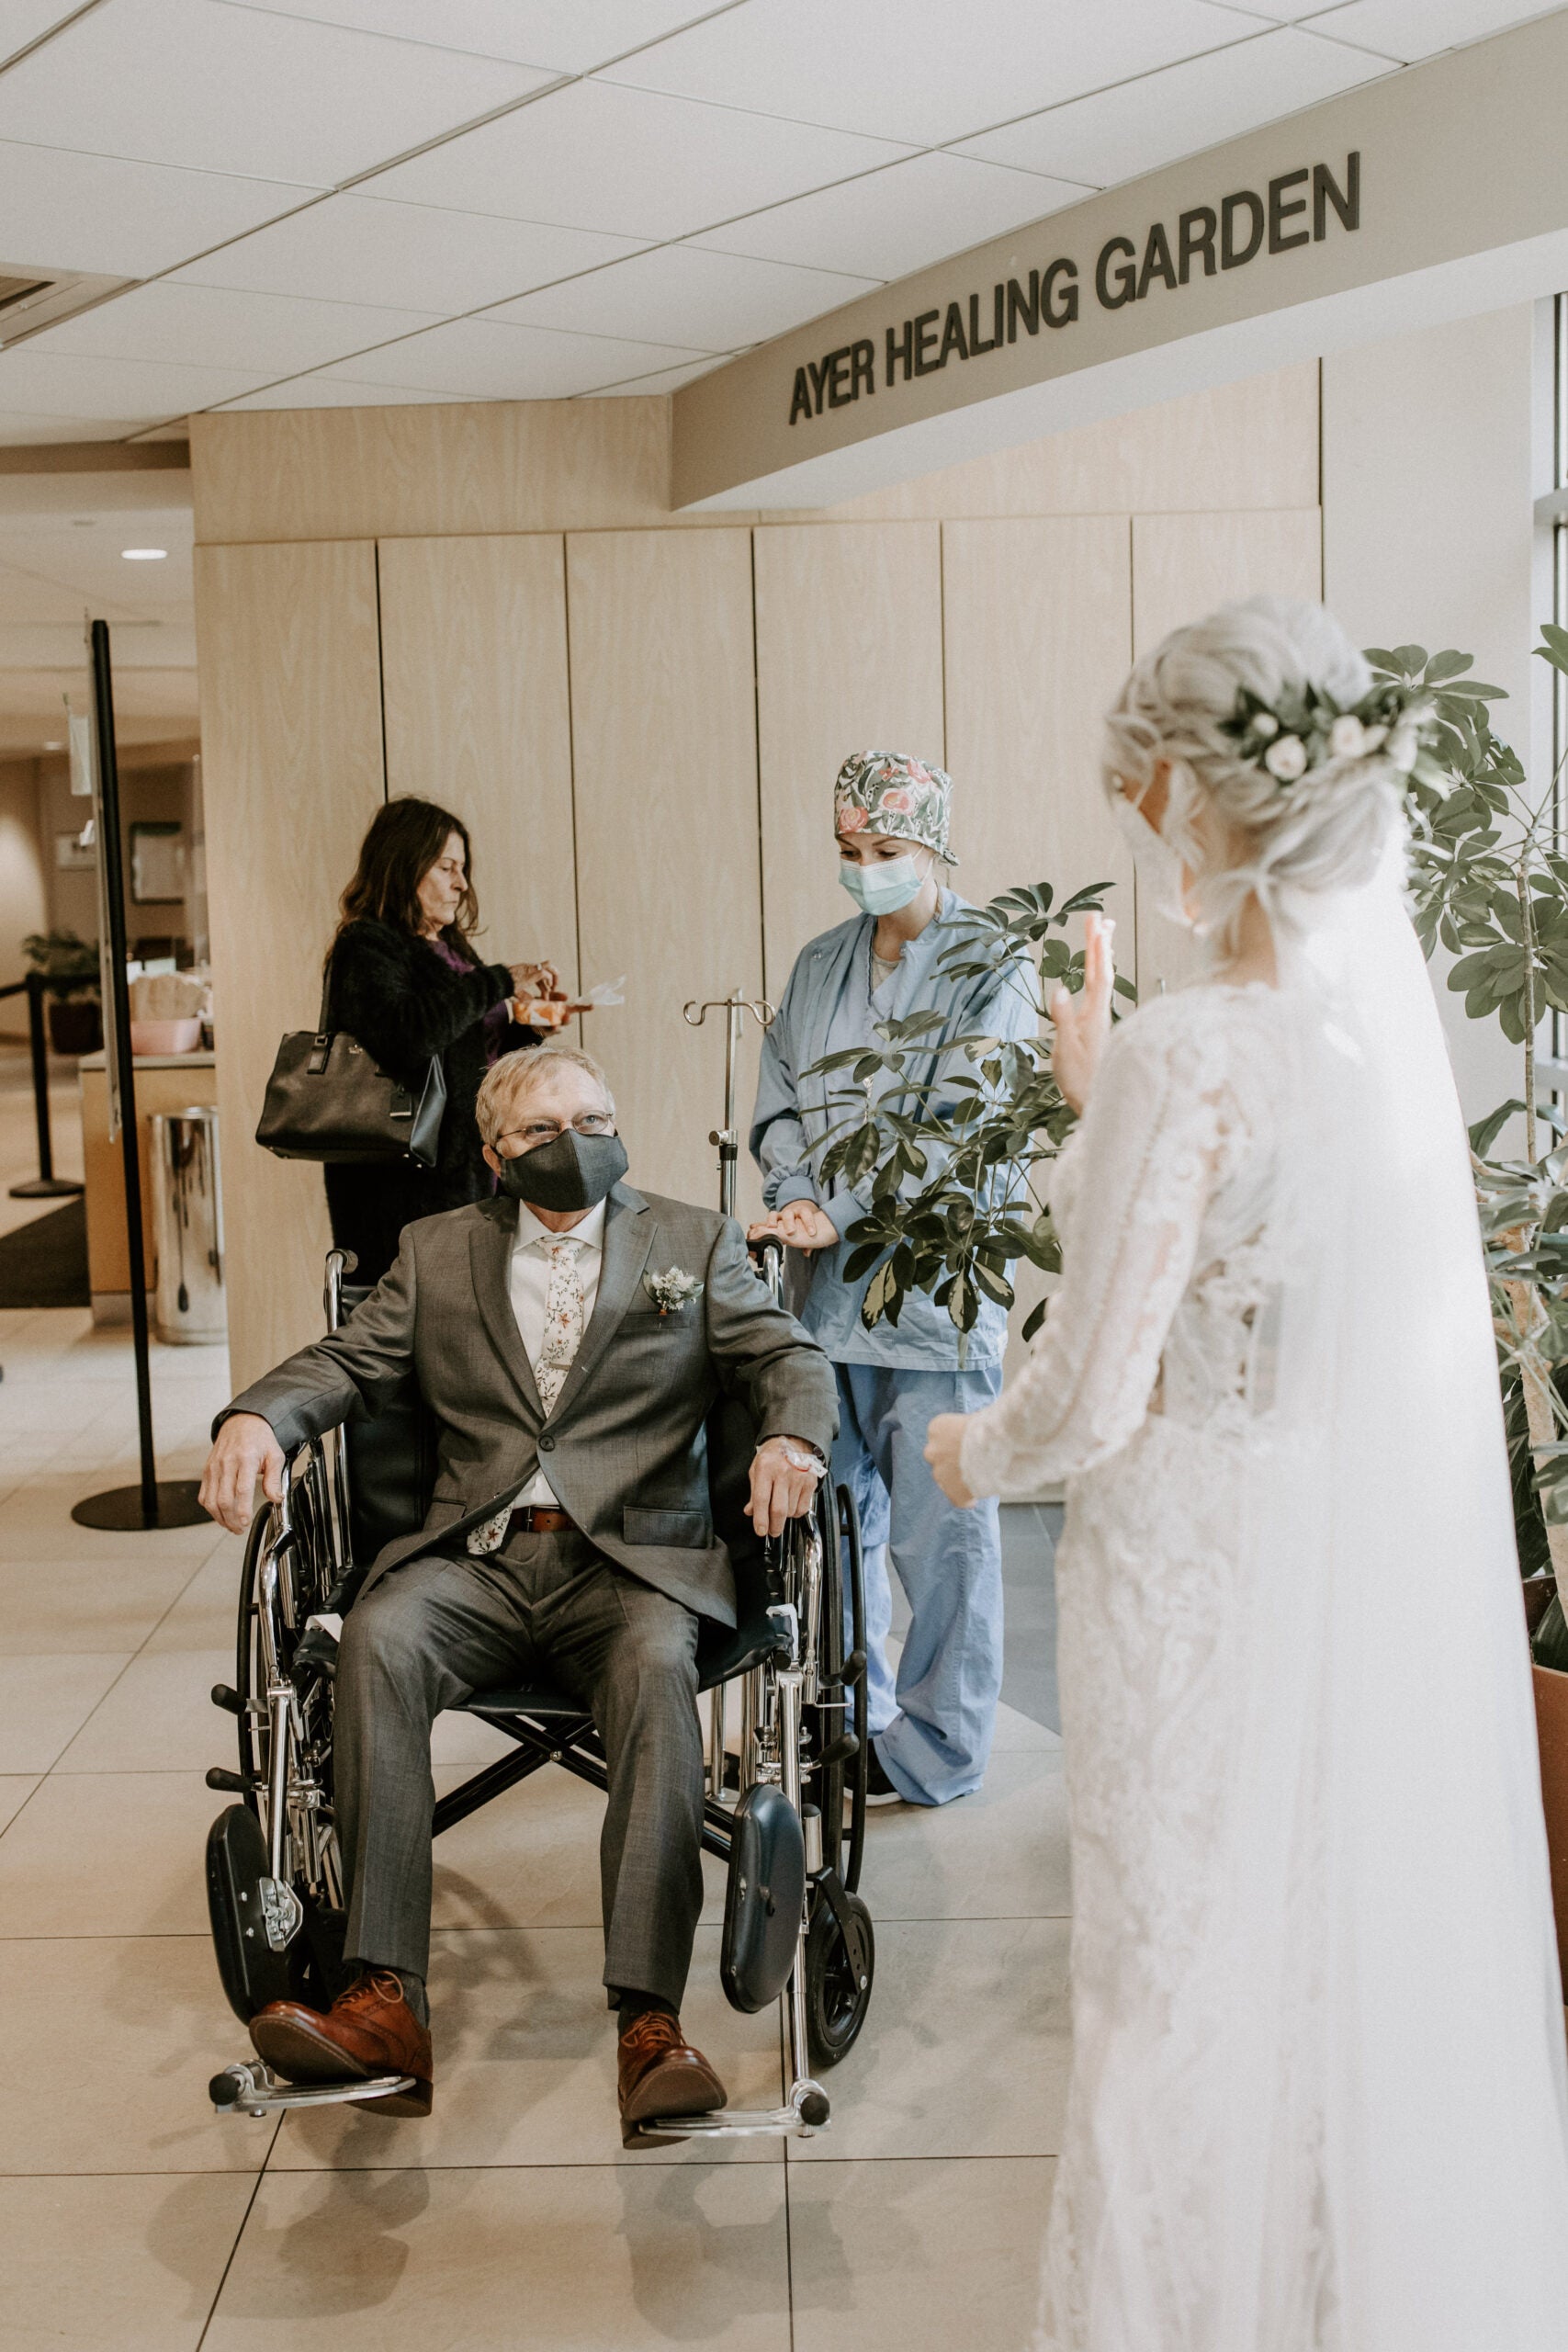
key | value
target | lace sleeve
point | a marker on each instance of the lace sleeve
(1147, 1158)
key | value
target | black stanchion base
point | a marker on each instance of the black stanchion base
(46, 1188)
(121, 1507)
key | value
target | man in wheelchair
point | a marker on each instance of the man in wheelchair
(570, 1337)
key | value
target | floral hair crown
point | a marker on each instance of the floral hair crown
(1307, 729)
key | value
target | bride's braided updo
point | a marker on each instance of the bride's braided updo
(1237, 826)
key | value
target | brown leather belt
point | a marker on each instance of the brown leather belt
(540, 1519)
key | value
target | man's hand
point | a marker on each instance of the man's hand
(801, 1225)
(780, 1489)
(944, 1440)
(244, 1450)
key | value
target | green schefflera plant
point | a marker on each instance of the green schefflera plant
(1491, 886)
(953, 1133)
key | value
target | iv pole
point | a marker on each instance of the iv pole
(735, 1007)
(728, 1137)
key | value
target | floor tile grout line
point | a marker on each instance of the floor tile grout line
(233, 2250)
(146, 2172)
(622, 2163)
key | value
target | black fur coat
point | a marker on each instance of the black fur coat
(405, 1004)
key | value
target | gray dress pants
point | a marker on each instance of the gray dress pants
(436, 1629)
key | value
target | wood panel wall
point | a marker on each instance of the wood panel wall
(849, 659)
(669, 887)
(478, 717)
(291, 670)
(642, 724)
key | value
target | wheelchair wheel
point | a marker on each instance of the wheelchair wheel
(839, 1968)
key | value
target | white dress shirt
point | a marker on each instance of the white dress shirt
(530, 1286)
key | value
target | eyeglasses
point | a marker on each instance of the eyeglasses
(534, 1131)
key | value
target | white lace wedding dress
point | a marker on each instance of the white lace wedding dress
(1317, 2102)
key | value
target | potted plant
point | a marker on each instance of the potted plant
(69, 967)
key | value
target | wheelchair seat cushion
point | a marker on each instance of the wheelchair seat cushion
(722, 1653)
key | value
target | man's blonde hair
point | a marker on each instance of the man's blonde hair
(508, 1082)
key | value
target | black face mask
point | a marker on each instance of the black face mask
(573, 1172)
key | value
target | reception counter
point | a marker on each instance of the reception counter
(164, 1083)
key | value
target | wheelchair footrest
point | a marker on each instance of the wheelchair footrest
(252, 2087)
(802, 2119)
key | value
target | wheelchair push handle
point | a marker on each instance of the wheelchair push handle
(768, 1258)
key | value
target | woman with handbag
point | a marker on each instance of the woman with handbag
(403, 981)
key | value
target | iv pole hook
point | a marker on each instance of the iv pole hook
(735, 1007)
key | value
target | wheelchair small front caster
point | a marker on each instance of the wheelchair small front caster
(839, 1966)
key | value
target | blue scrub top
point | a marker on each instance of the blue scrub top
(829, 1007)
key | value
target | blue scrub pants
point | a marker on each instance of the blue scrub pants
(932, 1729)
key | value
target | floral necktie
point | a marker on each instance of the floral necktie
(564, 1321)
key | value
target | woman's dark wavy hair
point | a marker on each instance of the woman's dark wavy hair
(405, 839)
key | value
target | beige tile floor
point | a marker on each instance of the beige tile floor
(131, 2219)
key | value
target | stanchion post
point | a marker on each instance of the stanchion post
(173, 1504)
(47, 1185)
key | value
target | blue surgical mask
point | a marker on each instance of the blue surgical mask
(882, 889)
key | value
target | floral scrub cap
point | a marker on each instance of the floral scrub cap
(886, 792)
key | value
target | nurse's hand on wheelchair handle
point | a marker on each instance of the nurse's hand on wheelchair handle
(244, 1450)
(780, 1489)
(800, 1225)
(944, 1440)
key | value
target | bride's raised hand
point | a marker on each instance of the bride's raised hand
(1082, 1022)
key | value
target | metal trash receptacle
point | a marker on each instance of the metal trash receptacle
(190, 1305)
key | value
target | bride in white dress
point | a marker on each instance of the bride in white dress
(1319, 2100)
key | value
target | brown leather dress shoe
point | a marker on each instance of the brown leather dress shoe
(370, 2029)
(661, 2073)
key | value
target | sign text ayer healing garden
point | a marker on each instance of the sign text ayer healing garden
(1294, 209)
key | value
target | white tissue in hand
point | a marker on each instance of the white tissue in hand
(605, 992)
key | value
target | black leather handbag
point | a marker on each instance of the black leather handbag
(327, 1101)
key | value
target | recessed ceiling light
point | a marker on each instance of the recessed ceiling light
(144, 555)
(54, 747)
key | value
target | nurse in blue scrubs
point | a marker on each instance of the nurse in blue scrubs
(931, 1726)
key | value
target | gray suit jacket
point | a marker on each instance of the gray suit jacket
(623, 1448)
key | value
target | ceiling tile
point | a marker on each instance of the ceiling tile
(899, 220)
(922, 70)
(570, 34)
(238, 90)
(210, 326)
(1276, 12)
(332, 392)
(350, 249)
(98, 213)
(1119, 133)
(491, 359)
(1410, 29)
(663, 379)
(147, 391)
(91, 564)
(22, 21)
(597, 156)
(20, 428)
(28, 597)
(682, 294)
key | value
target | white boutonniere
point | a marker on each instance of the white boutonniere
(671, 1290)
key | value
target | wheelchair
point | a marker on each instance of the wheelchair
(787, 1815)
